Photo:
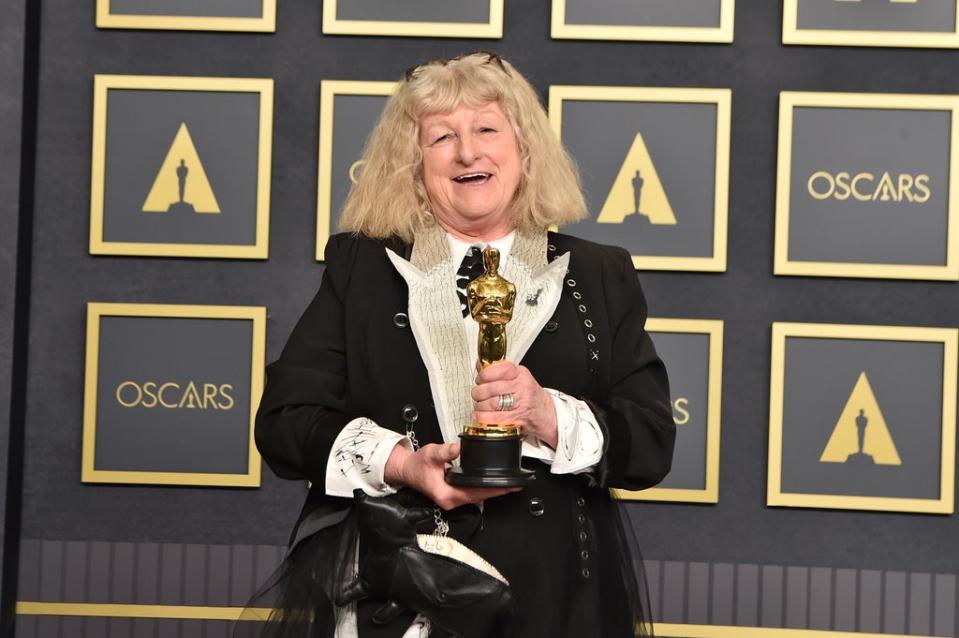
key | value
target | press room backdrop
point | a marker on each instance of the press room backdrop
(199, 551)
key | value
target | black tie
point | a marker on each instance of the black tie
(470, 269)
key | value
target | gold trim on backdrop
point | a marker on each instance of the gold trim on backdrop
(722, 98)
(788, 102)
(948, 337)
(713, 328)
(792, 34)
(96, 310)
(329, 89)
(102, 85)
(192, 612)
(723, 34)
(265, 23)
(492, 29)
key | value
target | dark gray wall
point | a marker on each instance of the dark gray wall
(740, 530)
(11, 100)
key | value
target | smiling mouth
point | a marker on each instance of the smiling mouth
(472, 178)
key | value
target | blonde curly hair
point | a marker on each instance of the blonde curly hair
(389, 197)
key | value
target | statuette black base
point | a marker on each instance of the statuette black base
(489, 462)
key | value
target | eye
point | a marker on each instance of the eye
(487, 129)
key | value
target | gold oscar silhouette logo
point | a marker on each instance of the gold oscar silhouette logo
(861, 436)
(181, 185)
(637, 190)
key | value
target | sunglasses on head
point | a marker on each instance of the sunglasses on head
(491, 58)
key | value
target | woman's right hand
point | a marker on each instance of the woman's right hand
(425, 471)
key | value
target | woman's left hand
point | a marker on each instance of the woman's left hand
(532, 406)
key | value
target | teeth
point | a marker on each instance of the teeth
(470, 176)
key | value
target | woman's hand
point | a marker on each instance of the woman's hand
(425, 471)
(532, 406)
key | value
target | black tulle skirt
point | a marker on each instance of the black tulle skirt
(553, 596)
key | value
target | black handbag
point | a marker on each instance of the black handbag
(463, 598)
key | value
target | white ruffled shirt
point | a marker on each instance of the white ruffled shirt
(360, 451)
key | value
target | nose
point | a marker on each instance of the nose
(466, 150)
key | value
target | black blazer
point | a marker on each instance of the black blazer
(352, 354)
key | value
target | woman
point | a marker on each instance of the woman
(380, 376)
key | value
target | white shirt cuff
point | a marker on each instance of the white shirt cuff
(580, 440)
(358, 459)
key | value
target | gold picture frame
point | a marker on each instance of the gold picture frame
(710, 493)
(782, 265)
(948, 337)
(722, 34)
(256, 614)
(329, 89)
(492, 29)
(792, 34)
(722, 98)
(105, 83)
(97, 310)
(266, 23)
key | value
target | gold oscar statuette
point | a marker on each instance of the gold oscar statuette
(490, 453)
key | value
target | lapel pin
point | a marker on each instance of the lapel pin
(533, 298)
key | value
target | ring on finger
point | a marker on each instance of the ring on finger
(506, 402)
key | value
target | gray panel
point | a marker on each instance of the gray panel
(723, 593)
(877, 15)
(889, 228)
(654, 579)
(845, 613)
(681, 140)
(920, 604)
(747, 595)
(653, 13)
(414, 10)
(697, 612)
(218, 576)
(75, 571)
(100, 568)
(147, 573)
(797, 597)
(687, 358)
(26, 627)
(944, 603)
(28, 580)
(202, 431)
(906, 378)
(71, 627)
(168, 628)
(894, 609)
(124, 557)
(120, 628)
(241, 574)
(772, 596)
(194, 575)
(674, 592)
(267, 559)
(96, 627)
(141, 127)
(870, 601)
(171, 574)
(206, 8)
(820, 598)
(51, 570)
(354, 117)
(143, 628)
(48, 627)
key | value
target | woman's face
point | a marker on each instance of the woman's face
(471, 169)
